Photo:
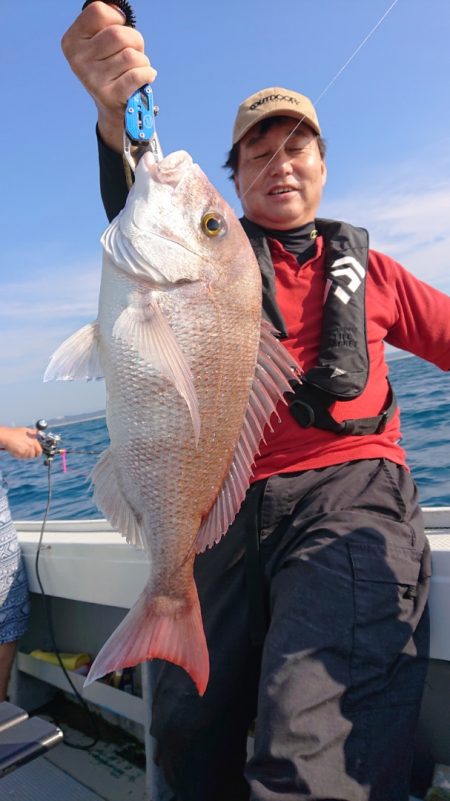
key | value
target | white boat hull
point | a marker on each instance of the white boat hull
(93, 577)
(88, 561)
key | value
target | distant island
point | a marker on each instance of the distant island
(75, 418)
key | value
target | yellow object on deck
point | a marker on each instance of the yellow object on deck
(70, 661)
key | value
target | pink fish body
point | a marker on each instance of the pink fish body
(192, 376)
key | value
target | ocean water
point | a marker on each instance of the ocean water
(423, 392)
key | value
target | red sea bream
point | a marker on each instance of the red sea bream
(193, 376)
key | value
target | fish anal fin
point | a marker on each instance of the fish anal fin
(158, 627)
(77, 357)
(274, 369)
(109, 497)
(143, 327)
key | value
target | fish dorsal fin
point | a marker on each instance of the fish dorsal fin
(143, 327)
(110, 499)
(77, 357)
(274, 369)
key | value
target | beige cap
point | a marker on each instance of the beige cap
(273, 102)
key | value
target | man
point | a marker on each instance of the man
(314, 604)
(21, 443)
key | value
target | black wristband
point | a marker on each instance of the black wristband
(123, 5)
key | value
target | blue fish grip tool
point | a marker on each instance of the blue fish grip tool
(140, 116)
(139, 124)
(139, 127)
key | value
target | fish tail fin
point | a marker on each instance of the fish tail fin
(158, 627)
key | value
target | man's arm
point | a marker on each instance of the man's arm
(108, 58)
(421, 323)
(113, 181)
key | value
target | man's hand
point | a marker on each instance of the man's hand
(20, 442)
(108, 58)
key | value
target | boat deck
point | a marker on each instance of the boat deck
(106, 777)
(101, 774)
(65, 773)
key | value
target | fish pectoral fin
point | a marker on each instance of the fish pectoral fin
(109, 497)
(274, 369)
(77, 357)
(144, 328)
(158, 628)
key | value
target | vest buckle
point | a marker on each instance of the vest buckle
(383, 422)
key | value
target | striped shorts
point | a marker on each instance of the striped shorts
(14, 598)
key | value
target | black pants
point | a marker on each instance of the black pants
(336, 685)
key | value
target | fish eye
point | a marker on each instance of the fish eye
(213, 224)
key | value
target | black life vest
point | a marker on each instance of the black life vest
(342, 367)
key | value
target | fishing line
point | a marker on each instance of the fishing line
(48, 613)
(324, 91)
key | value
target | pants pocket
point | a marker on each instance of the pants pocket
(390, 641)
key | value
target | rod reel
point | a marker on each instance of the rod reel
(49, 442)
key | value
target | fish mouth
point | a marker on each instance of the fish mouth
(170, 170)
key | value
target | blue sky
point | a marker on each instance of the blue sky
(386, 120)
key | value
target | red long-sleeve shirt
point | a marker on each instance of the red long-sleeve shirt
(400, 310)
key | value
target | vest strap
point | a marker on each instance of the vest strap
(310, 407)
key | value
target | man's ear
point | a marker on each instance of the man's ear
(236, 185)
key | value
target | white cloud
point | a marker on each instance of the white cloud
(407, 213)
(38, 315)
(69, 291)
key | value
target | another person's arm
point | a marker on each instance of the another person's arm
(20, 442)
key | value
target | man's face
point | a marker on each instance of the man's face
(280, 175)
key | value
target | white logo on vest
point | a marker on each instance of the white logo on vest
(354, 274)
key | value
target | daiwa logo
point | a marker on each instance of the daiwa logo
(272, 99)
(353, 273)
